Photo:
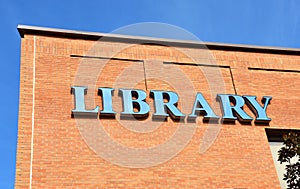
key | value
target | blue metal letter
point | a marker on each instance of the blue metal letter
(106, 94)
(201, 107)
(79, 92)
(161, 108)
(230, 112)
(261, 115)
(129, 103)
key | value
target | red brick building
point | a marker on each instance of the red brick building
(59, 150)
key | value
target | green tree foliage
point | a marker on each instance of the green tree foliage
(291, 150)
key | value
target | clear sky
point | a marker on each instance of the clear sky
(257, 22)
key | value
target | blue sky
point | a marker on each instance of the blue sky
(257, 22)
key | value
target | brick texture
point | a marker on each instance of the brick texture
(239, 157)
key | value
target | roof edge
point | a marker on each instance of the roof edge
(26, 29)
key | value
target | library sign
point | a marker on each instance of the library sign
(165, 105)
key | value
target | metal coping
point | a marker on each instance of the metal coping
(44, 31)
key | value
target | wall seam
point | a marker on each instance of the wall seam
(32, 113)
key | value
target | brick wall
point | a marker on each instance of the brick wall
(239, 157)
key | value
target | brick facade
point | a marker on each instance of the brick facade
(60, 158)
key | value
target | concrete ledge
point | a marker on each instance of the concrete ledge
(44, 31)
